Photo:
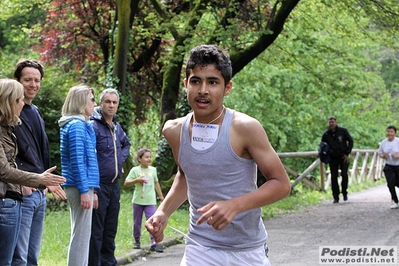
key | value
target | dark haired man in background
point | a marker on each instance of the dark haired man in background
(113, 147)
(341, 144)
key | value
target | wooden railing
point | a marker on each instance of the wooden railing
(371, 168)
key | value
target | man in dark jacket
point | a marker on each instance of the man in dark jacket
(341, 144)
(33, 156)
(112, 150)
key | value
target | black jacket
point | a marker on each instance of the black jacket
(340, 141)
(33, 151)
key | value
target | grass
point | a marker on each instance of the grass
(57, 225)
(56, 233)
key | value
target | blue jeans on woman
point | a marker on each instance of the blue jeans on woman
(30, 235)
(10, 222)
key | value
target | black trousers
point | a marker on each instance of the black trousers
(392, 176)
(337, 163)
(105, 225)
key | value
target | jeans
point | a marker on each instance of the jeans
(30, 235)
(10, 222)
(105, 225)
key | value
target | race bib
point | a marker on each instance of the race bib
(204, 135)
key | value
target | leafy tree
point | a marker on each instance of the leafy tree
(82, 32)
(19, 18)
(333, 47)
(16, 20)
(313, 71)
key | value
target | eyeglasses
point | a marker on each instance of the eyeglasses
(93, 100)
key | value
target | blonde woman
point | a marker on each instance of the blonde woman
(11, 179)
(80, 168)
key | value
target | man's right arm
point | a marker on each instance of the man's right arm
(157, 223)
(177, 193)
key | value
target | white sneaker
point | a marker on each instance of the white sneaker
(394, 205)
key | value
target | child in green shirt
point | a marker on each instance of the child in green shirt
(145, 180)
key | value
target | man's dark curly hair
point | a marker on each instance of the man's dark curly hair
(205, 55)
(22, 63)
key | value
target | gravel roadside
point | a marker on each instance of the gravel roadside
(294, 239)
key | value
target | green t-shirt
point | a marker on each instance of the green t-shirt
(144, 194)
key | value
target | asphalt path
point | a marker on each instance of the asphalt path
(294, 239)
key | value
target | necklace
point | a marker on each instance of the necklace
(144, 175)
(213, 119)
(144, 171)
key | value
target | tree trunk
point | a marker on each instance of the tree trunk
(122, 43)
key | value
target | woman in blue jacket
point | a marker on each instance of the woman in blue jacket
(79, 167)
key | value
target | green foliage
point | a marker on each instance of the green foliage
(147, 133)
(164, 161)
(183, 107)
(312, 71)
(16, 21)
(49, 100)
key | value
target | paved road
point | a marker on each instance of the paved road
(294, 239)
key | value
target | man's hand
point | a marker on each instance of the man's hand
(95, 201)
(346, 158)
(26, 191)
(395, 155)
(218, 214)
(156, 225)
(384, 155)
(58, 192)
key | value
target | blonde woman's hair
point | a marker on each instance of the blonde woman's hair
(11, 92)
(76, 100)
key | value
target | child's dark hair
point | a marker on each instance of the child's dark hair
(141, 151)
(205, 55)
(392, 127)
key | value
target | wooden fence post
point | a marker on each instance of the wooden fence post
(376, 167)
(354, 168)
(364, 167)
(372, 166)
